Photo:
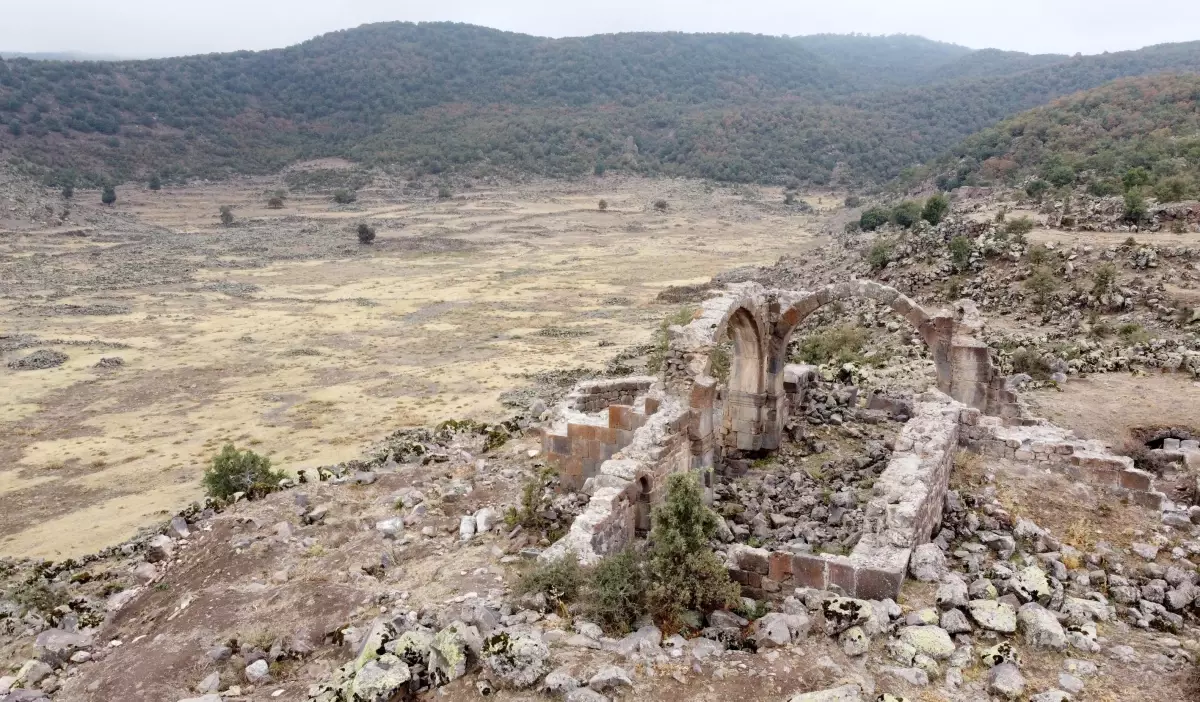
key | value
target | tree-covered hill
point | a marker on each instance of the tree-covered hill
(437, 96)
(1131, 133)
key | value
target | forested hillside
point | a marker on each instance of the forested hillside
(432, 97)
(1132, 133)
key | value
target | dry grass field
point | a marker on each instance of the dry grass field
(282, 333)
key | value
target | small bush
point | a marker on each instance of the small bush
(109, 195)
(1042, 283)
(838, 345)
(879, 255)
(1135, 207)
(227, 215)
(603, 205)
(1135, 178)
(1037, 189)
(1104, 188)
(344, 197)
(275, 202)
(1103, 278)
(686, 573)
(535, 502)
(936, 208)
(1018, 226)
(853, 201)
(68, 191)
(616, 594)
(1002, 214)
(1133, 333)
(444, 192)
(155, 183)
(366, 233)
(789, 198)
(1173, 189)
(1039, 254)
(1031, 363)
(661, 205)
(873, 218)
(907, 213)
(960, 252)
(234, 471)
(559, 581)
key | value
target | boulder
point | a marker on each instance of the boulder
(1041, 628)
(1006, 682)
(559, 682)
(993, 615)
(928, 563)
(160, 548)
(515, 660)
(610, 678)
(378, 680)
(846, 693)
(258, 672)
(930, 641)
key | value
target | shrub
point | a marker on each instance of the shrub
(1133, 333)
(686, 574)
(837, 345)
(1039, 254)
(879, 255)
(1060, 175)
(873, 218)
(1135, 178)
(1042, 283)
(535, 502)
(1104, 188)
(1135, 206)
(1103, 278)
(227, 214)
(853, 201)
(1031, 363)
(907, 213)
(660, 205)
(960, 252)
(366, 233)
(233, 471)
(344, 197)
(155, 183)
(598, 170)
(1002, 214)
(109, 195)
(615, 597)
(1019, 226)
(275, 201)
(662, 338)
(936, 208)
(444, 192)
(68, 191)
(789, 198)
(1173, 189)
(560, 581)
(1037, 189)
(603, 205)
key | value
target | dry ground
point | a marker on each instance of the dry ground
(337, 343)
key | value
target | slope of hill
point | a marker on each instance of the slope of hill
(441, 96)
(1098, 138)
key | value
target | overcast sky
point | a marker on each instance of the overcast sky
(177, 27)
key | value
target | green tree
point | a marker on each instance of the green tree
(960, 252)
(109, 195)
(1042, 283)
(1135, 206)
(686, 573)
(233, 471)
(1135, 178)
(155, 183)
(879, 255)
(936, 208)
(1173, 189)
(907, 213)
(1036, 189)
(873, 218)
(1060, 175)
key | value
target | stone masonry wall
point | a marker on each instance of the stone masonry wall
(580, 443)
(903, 513)
(1059, 449)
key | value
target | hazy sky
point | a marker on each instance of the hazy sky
(176, 27)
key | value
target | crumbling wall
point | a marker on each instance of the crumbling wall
(579, 442)
(1060, 449)
(902, 514)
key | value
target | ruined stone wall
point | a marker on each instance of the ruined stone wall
(579, 443)
(634, 478)
(1088, 461)
(903, 513)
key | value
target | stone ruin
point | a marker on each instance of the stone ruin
(618, 440)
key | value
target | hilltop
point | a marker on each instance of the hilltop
(438, 96)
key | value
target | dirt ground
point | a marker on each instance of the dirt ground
(282, 333)
(1108, 406)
